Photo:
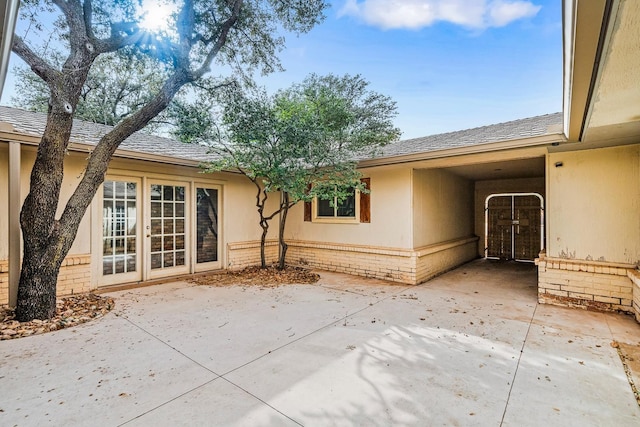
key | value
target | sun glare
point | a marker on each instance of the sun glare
(156, 15)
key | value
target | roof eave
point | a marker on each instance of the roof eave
(511, 144)
(584, 23)
(79, 147)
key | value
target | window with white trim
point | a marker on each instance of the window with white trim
(354, 209)
(334, 208)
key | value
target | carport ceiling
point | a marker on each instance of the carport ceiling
(522, 168)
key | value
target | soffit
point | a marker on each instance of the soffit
(615, 109)
(582, 28)
(512, 169)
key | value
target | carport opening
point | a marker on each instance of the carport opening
(521, 176)
(514, 226)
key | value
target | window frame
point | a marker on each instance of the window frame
(336, 219)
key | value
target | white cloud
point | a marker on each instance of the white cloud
(502, 13)
(416, 14)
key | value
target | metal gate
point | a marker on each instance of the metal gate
(514, 226)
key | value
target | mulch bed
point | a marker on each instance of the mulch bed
(70, 311)
(256, 276)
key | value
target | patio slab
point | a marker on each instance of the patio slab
(471, 347)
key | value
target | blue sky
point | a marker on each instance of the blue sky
(448, 64)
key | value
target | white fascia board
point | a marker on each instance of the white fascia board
(9, 10)
(547, 139)
(568, 52)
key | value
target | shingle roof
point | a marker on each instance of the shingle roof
(33, 123)
(547, 124)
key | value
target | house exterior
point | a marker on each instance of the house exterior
(561, 190)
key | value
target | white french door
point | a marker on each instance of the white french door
(153, 228)
(168, 229)
(120, 243)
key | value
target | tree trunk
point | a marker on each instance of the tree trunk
(44, 249)
(283, 222)
(37, 287)
(263, 242)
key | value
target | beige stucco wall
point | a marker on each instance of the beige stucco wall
(594, 205)
(390, 225)
(73, 169)
(484, 189)
(442, 206)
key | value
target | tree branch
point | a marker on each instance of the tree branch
(88, 19)
(222, 38)
(186, 24)
(74, 13)
(66, 7)
(99, 159)
(39, 66)
(116, 40)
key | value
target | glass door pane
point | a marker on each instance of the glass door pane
(167, 226)
(119, 227)
(207, 225)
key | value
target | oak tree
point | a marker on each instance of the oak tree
(242, 35)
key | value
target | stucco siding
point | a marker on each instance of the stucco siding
(82, 269)
(594, 205)
(442, 207)
(390, 224)
(73, 164)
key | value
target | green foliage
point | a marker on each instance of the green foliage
(121, 82)
(304, 141)
(118, 84)
(310, 135)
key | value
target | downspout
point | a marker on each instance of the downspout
(9, 17)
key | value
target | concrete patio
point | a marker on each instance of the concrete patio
(471, 347)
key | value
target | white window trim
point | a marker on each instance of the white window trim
(336, 219)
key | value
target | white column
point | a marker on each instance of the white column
(15, 201)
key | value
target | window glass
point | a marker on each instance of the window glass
(348, 207)
(325, 207)
(167, 226)
(207, 225)
(337, 209)
(119, 216)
